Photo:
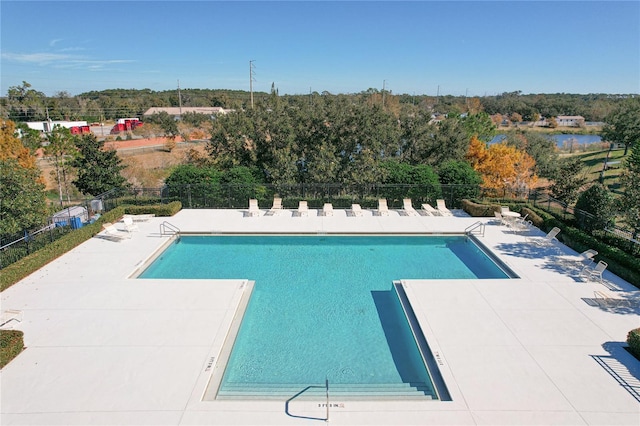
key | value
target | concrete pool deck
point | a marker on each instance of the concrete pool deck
(102, 348)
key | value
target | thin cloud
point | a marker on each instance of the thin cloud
(72, 49)
(61, 60)
(36, 58)
(53, 42)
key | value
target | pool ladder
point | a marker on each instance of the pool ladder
(168, 229)
(478, 227)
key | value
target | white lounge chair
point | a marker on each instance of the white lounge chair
(356, 210)
(327, 209)
(129, 225)
(253, 207)
(607, 299)
(110, 232)
(429, 210)
(383, 210)
(408, 207)
(442, 208)
(547, 240)
(584, 257)
(140, 217)
(276, 208)
(303, 209)
(595, 271)
(519, 225)
(499, 218)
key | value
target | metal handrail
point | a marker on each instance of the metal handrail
(477, 225)
(326, 384)
(166, 226)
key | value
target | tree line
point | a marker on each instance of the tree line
(25, 103)
(338, 141)
(351, 140)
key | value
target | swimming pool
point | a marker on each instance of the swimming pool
(325, 307)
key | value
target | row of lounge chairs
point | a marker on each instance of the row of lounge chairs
(129, 225)
(356, 210)
(590, 270)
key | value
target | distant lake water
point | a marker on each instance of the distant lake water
(563, 141)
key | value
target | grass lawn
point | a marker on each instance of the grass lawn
(594, 162)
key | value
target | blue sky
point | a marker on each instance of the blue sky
(419, 47)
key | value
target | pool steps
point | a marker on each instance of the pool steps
(384, 390)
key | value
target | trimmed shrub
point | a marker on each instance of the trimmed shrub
(479, 210)
(36, 260)
(633, 340)
(11, 344)
(158, 209)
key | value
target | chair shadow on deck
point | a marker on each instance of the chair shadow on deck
(624, 303)
(549, 254)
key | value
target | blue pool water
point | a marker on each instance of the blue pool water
(323, 307)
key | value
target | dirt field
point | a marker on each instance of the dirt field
(148, 161)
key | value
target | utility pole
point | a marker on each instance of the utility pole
(466, 100)
(251, 81)
(179, 99)
(384, 82)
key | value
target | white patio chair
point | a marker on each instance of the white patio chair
(584, 257)
(253, 207)
(408, 207)
(303, 209)
(442, 208)
(327, 209)
(356, 210)
(519, 225)
(547, 240)
(595, 271)
(129, 225)
(430, 211)
(110, 232)
(607, 299)
(383, 210)
(140, 217)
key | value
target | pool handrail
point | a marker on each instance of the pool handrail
(477, 225)
(166, 226)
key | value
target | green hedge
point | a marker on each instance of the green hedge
(633, 339)
(620, 263)
(36, 260)
(168, 209)
(11, 344)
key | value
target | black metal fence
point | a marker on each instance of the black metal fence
(15, 247)
(233, 196)
(610, 233)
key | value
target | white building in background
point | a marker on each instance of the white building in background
(570, 120)
(47, 126)
(176, 112)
